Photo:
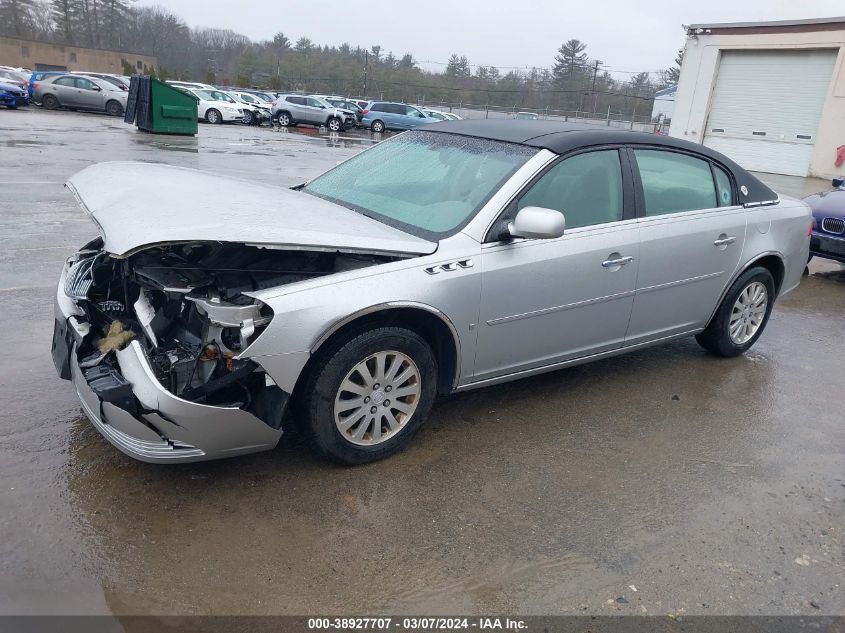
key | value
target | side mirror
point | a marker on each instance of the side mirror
(538, 223)
(838, 182)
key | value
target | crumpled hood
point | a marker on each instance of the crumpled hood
(137, 205)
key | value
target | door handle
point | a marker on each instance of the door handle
(619, 261)
(724, 241)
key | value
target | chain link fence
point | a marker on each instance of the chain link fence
(628, 121)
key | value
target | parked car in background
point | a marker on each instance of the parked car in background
(119, 81)
(37, 76)
(9, 75)
(440, 115)
(360, 101)
(430, 263)
(215, 106)
(190, 84)
(292, 109)
(255, 111)
(526, 116)
(828, 239)
(12, 96)
(265, 96)
(345, 104)
(80, 92)
(388, 115)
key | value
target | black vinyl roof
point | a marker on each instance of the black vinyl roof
(561, 138)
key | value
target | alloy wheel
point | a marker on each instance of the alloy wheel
(377, 398)
(748, 313)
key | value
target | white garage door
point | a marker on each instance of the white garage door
(766, 107)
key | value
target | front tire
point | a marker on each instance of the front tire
(742, 316)
(334, 124)
(247, 118)
(368, 394)
(213, 116)
(377, 127)
(114, 108)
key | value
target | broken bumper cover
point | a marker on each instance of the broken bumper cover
(161, 427)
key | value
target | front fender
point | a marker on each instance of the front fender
(306, 314)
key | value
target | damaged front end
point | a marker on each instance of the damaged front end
(153, 342)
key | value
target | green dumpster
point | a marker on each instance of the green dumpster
(157, 107)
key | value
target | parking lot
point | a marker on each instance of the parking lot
(665, 481)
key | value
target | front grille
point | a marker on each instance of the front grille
(833, 225)
(79, 278)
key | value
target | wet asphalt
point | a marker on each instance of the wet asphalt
(666, 481)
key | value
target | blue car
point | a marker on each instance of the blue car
(12, 96)
(37, 76)
(386, 115)
(828, 237)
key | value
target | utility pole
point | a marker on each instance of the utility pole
(366, 66)
(595, 74)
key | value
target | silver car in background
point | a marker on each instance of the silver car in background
(80, 92)
(459, 256)
(292, 109)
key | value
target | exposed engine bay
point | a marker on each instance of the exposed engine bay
(185, 304)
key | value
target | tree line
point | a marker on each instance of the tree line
(574, 82)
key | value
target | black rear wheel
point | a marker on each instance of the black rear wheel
(284, 119)
(50, 102)
(742, 316)
(377, 126)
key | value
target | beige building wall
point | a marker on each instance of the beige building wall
(36, 55)
(701, 63)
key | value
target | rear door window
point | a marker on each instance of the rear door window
(724, 190)
(674, 182)
(65, 81)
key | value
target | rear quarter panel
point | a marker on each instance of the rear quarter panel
(781, 229)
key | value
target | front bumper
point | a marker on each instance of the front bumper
(157, 426)
(826, 246)
(12, 100)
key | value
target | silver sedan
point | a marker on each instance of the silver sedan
(80, 92)
(451, 258)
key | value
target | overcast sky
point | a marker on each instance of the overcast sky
(625, 35)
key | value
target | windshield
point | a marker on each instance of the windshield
(425, 183)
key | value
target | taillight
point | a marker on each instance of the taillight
(812, 226)
(364, 111)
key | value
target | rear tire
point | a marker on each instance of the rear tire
(364, 363)
(114, 108)
(50, 102)
(742, 316)
(213, 116)
(377, 126)
(284, 119)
